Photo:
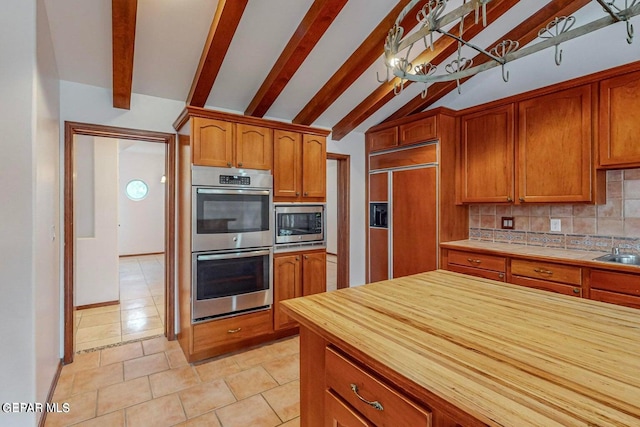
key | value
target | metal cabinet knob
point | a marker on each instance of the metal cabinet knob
(576, 291)
(240, 164)
(509, 199)
(521, 199)
(297, 193)
(501, 275)
(306, 194)
(228, 164)
(306, 257)
(297, 258)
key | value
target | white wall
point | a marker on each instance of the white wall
(96, 208)
(141, 222)
(332, 207)
(353, 145)
(29, 208)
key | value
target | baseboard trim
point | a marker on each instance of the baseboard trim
(145, 254)
(98, 304)
(52, 390)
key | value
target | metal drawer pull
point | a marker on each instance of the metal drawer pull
(375, 404)
(540, 270)
(233, 331)
(477, 261)
(576, 290)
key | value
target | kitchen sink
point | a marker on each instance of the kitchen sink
(620, 258)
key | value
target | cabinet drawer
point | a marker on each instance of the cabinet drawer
(354, 385)
(617, 282)
(485, 262)
(478, 272)
(338, 412)
(232, 329)
(547, 271)
(545, 285)
(615, 298)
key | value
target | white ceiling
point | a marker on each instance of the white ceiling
(170, 36)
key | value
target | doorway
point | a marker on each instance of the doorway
(342, 198)
(72, 130)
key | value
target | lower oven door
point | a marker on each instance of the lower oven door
(226, 283)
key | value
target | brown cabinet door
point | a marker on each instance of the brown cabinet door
(414, 222)
(286, 161)
(379, 187)
(314, 273)
(554, 147)
(378, 254)
(383, 139)
(314, 166)
(620, 121)
(340, 414)
(254, 147)
(287, 284)
(212, 142)
(488, 156)
(424, 130)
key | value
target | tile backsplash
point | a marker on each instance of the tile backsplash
(583, 227)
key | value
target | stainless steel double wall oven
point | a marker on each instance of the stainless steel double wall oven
(232, 241)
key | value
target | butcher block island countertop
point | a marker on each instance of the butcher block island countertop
(476, 351)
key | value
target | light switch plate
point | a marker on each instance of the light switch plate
(556, 225)
(507, 223)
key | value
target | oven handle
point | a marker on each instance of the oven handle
(232, 255)
(229, 191)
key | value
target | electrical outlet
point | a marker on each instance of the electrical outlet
(556, 225)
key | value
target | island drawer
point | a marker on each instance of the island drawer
(483, 261)
(547, 271)
(380, 404)
(229, 330)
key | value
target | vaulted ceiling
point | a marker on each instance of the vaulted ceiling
(312, 62)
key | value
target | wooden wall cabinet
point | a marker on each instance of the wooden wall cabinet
(226, 144)
(487, 156)
(296, 274)
(383, 139)
(620, 121)
(299, 167)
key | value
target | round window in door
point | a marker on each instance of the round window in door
(137, 189)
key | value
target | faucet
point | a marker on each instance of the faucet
(615, 251)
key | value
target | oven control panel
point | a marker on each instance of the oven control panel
(235, 180)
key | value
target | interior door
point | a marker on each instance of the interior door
(415, 216)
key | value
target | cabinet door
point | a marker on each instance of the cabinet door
(488, 156)
(554, 147)
(287, 284)
(620, 121)
(383, 139)
(339, 414)
(254, 147)
(414, 221)
(286, 160)
(314, 273)
(314, 166)
(424, 130)
(212, 142)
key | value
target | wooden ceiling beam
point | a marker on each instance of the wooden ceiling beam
(524, 33)
(223, 27)
(443, 48)
(359, 61)
(123, 33)
(317, 20)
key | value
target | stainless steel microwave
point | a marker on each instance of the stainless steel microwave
(299, 223)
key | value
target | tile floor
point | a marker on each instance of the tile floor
(150, 383)
(140, 313)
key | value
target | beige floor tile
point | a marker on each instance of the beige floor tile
(146, 365)
(254, 357)
(286, 346)
(174, 380)
(82, 362)
(285, 369)
(162, 412)
(141, 324)
(158, 299)
(293, 423)
(64, 386)
(100, 332)
(114, 419)
(126, 294)
(285, 400)
(123, 395)
(176, 358)
(100, 310)
(250, 382)
(218, 368)
(81, 408)
(121, 353)
(98, 343)
(205, 397)
(254, 412)
(210, 419)
(93, 379)
(159, 344)
(138, 313)
(137, 303)
(99, 319)
(144, 334)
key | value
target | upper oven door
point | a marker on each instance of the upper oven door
(299, 223)
(230, 218)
